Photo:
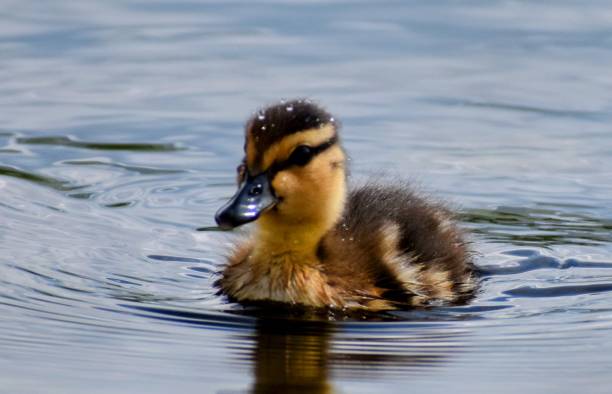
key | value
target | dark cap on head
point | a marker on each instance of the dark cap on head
(271, 124)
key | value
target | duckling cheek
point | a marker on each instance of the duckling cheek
(283, 184)
(290, 190)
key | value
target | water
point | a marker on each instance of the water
(120, 128)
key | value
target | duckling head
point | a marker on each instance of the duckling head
(292, 175)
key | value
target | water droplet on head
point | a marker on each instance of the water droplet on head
(263, 128)
(261, 116)
(289, 108)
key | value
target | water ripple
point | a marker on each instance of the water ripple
(591, 115)
(43, 180)
(109, 146)
(529, 226)
(121, 127)
(559, 291)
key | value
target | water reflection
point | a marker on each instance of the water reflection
(292, 357)
(537, 226)
(47, 181)
(118, 137)
(63, 140)
(296, 356)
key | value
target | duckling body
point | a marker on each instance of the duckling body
(376, 247)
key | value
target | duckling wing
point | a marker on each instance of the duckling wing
(413, 248)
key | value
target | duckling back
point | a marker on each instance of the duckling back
(395, 249)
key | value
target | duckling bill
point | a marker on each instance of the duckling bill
(315, 244)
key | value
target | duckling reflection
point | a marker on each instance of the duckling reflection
(292, 357)
(297, 356)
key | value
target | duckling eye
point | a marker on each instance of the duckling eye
(301, 155)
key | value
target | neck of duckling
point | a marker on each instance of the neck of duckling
(276, 239)
(294, 242)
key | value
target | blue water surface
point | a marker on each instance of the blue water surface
(120, 129)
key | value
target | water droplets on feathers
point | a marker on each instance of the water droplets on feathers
(269, 125)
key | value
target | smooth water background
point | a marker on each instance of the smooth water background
(120, 128)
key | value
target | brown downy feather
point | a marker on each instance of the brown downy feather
(378, 247)
(399, 248)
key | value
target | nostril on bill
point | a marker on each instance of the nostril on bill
(256, 190)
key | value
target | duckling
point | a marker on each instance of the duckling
(317, 244)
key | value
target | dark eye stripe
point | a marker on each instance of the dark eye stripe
(314, 151)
